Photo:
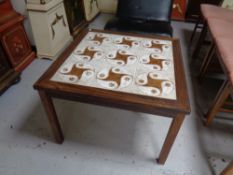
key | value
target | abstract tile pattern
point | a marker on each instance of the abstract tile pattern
(114, 62)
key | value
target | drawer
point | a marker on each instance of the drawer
(58, 25)
(16, 44)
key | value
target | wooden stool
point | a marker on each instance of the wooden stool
(224, 47)
(210, 12)
(218, 29)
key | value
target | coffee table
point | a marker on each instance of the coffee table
(133, 72)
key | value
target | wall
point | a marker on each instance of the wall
(20, 6)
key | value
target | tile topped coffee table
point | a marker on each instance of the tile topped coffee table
(126, 71)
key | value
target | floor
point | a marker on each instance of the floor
(100, 140)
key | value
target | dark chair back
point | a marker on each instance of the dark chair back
(145, 10)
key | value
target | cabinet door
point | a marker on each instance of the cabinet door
(91, 9)
(4, 65)
(58, 25)
(15, 42)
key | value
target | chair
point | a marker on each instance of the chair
(138, 16)
(209, 12)
(224, 48)
(218, 29)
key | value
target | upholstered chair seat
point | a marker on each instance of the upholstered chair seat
(220, 28)
(213, 11)
(225, 49)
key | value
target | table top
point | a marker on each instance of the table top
(120, 69)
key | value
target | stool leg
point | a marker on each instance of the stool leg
(194, 30)
(220, 98)
(206, 61)
(200, 41)
(228, 170)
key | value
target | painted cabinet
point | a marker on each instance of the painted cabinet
(50, 28)
(13, 37)
(91, 8)
(7, 75)
(179, 9)
(108, 6)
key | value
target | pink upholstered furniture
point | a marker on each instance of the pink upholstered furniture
(210, 12)
(219, 21)
(221, 32)
(220, 28)
(213, 11)
(224, 48)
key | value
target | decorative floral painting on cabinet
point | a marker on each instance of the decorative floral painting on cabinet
(91, 9)
(179, 9)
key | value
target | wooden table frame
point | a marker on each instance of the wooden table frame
(176, 109)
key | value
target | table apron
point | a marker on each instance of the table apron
(170, 113)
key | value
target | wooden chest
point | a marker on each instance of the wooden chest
(13, 37)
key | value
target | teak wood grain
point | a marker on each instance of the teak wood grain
(176, 109)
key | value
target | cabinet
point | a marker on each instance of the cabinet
(91, 9)
(50, 28)
(108, 6)
(179, 10)
(75, 15)
(13, 38)
(7, 75)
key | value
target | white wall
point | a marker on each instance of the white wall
(20, 6)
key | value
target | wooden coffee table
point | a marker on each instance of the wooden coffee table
(126, 71)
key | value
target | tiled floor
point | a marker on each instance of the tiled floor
(101, 140)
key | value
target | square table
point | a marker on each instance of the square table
(127, 71)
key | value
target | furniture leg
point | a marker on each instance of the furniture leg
(200, 41)
(52, 116)
(194, 30)
(171, 136)
(228, 170)
(221, 96)
(206, 61)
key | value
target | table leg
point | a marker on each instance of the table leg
(171, 136)
(52, 116)
(200, 41)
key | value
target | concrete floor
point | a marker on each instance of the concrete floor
(100, 140)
